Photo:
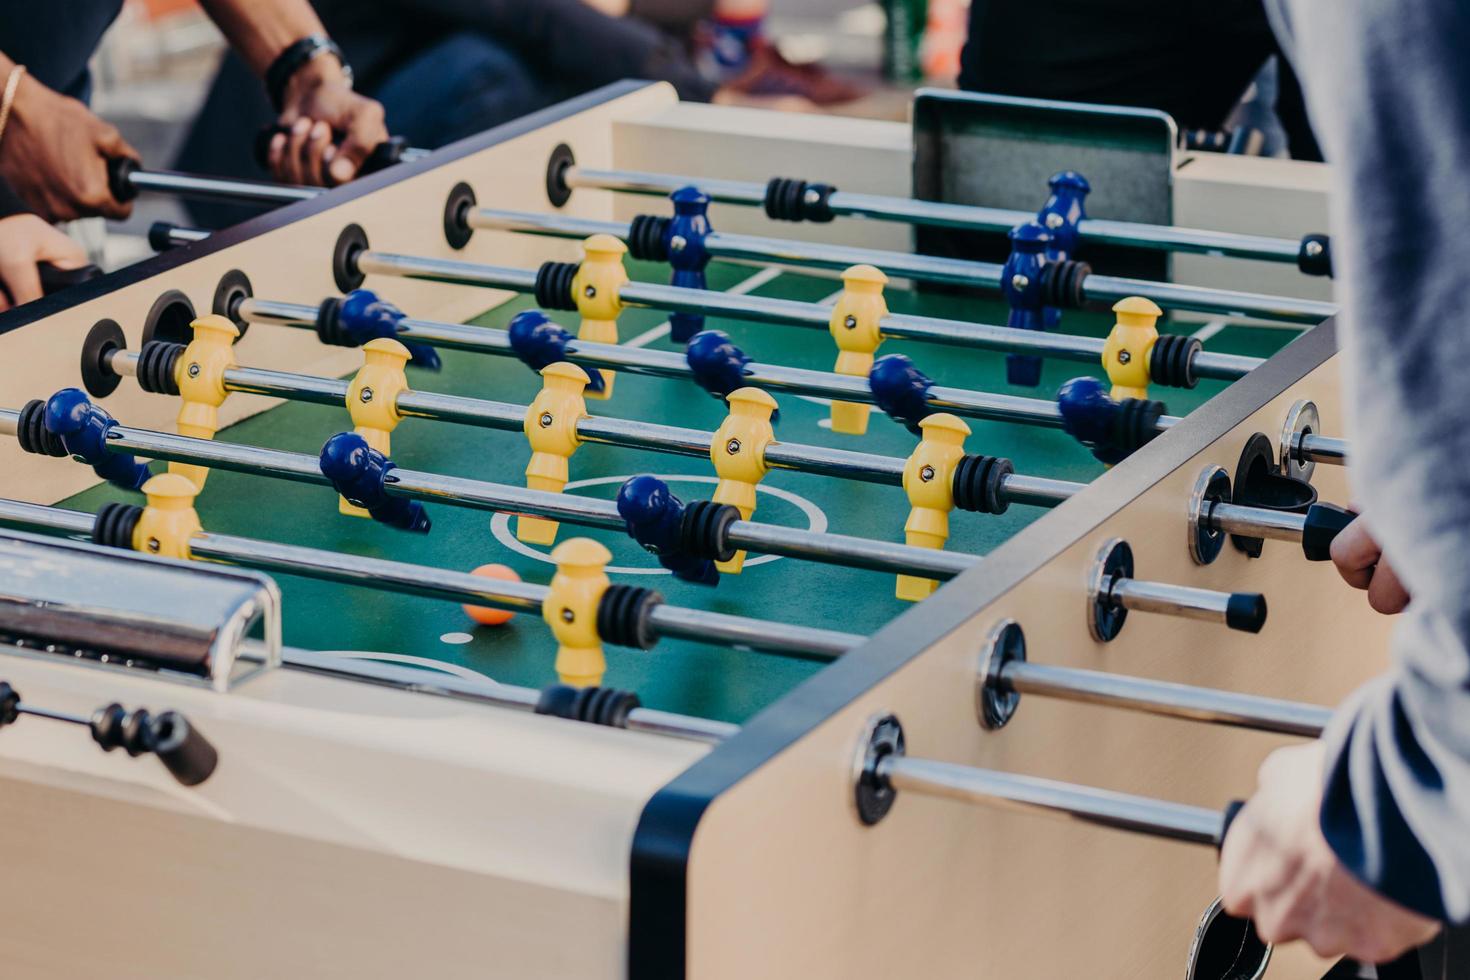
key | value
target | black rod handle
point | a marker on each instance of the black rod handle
(120, 172)
(54, 278)
(183, 749)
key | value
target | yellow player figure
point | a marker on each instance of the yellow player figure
(372, 400)
(169, 521)
(201, 378)
(570, 609)
(1130, 345)
(595, 291)
(928, 480)
(551, 429)
(855, 327)
(738, 451)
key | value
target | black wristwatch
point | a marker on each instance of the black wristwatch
(294, 58)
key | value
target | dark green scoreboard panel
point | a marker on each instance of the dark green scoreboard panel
(691, 678)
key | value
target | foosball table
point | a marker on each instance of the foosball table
(781, 677)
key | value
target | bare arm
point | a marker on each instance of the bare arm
(319, 107)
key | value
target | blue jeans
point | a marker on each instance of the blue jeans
(460, 86)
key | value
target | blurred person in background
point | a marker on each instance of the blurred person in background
(446, 69)
(733, 48)
(54, 150)
(1193, 59)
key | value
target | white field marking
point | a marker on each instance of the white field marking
(402, 658)
(816, 521)
(1209, 330)
(456, 638)
(739, 289)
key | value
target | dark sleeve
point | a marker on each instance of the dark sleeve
(1388, 89)
(575, 42)
(10, 202)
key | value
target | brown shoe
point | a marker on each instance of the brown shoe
(770, 75)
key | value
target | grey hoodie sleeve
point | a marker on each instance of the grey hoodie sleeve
(1388, 90)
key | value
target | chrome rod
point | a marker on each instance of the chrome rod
(1255, 522)
(920, 267)
(837, 549)
(1037, 491)
(1180, 600)
(220, 188)
(667, 364)
(769, 310)
(1313, 448)
(507, 417)
(1120, 811)
(946, 215)
(1183, 701)
(1110, 289)
(164, 235)
(38, 517)
(451, 271)
(662, 185)
(825, 547)
(437, 583)
(742, 632)
(489, 692)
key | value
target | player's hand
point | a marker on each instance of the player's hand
(56, 152)
(25, 242)
(1361, 564)
(319, 108)
(1277, 868)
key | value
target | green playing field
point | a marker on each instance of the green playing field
(692, 678)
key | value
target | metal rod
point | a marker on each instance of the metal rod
(164, 235)
(508, 417)
(65, 716)
(491, 693)
(1313, 448)
(39, 517)
(766, 309)
(1255, 522)
(449, 271)
(1183, 701)
(667, 364)
(1120, 811)
(437, 583)
(1037, 491)
(945, 215)
(220, 188)
(1110, 289)
(1172, 600)
(789, 542)
(920, 267)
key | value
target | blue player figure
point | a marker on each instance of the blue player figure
(655, 517)
(360, 473)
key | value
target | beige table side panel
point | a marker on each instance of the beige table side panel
(144, 896)
(350, 830)
(293, 263)
(941, 889)
(1256, 196)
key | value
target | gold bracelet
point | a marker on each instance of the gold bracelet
(12, 82)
